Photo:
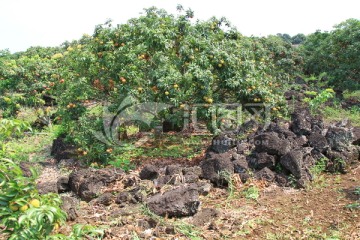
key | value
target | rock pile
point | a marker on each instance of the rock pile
(284, 153)
(281, 150)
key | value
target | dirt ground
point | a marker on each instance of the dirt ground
(318, 212)
(314, 213)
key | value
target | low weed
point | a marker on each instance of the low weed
(251, 193)
(230, 182)
(355, 205)
(292, 180)
(188, 230)
(319, 167)
(123, 163)
(80, 231)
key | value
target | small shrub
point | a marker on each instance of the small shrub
(321, 98)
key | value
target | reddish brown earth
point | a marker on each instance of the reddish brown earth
(317, 212)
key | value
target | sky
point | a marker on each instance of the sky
(25, 23)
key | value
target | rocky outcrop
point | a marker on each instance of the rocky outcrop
(70, 206)
(63, 184)
(339, 138)
(149, 172)
(222, 143)
(281, 151)
(177, 202)
(62, 150)
(284, 153)
(87, 183)
(270, 143)
(217, 167)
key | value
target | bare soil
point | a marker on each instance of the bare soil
(317, 212)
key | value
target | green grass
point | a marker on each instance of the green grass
(170, 146)
(190, 231)
(33, 148)
(27, 114)
(337, 114)
(175, 146)
(354, 95)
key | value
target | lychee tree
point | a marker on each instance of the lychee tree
(157, 57)
(163, 58)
